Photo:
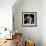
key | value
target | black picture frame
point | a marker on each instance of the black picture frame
(29, 19)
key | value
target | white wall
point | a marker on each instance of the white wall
(33, 33)
(38, 34)
(6, 13)
(43, 22)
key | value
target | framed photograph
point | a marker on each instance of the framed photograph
(29, 19)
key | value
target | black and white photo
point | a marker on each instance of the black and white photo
(29, 18)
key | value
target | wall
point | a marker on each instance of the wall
(33, 33)
(6, 13)
(6, 19)
(43, 22)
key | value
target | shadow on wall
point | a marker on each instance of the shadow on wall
(18, 3)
